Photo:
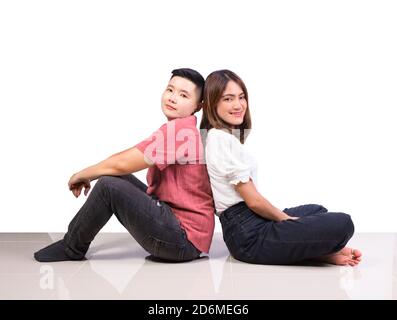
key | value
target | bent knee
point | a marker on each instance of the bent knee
(105, 180)
(344, 224)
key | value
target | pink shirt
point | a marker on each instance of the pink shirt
(179, 177)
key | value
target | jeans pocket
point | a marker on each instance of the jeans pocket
(247, 221)
(163, 249)
(241, 243)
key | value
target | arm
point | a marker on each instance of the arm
(125, 162)
(257, 203)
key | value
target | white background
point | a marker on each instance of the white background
(81, 80)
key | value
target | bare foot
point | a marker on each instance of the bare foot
(354, 253)
(338, 259)
(344, 257)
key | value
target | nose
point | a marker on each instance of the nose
(172, 97)
(238, 105)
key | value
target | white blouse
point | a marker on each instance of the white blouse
(228, 163)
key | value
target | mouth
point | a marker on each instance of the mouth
(170, 108)
(238, 114)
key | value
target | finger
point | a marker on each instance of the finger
(86, 190)
(71, 183)
(73, 186)
(75, 191)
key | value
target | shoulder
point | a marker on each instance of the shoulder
(221, 143)
(217, 136)
(189, 122)
(175, 125)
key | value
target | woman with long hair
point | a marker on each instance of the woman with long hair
(254, 230)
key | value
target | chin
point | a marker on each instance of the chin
(168, 114)
(236, 123)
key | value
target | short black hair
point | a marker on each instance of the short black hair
(192, 75)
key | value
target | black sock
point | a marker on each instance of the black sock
(53, 252)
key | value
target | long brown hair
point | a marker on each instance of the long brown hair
(215, 85)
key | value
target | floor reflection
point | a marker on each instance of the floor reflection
(118, 268)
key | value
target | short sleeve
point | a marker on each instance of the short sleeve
(226, 156)
(153, 148)
(175, 142)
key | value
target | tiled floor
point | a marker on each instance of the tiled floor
(117, 269)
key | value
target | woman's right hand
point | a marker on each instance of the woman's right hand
(77, 183)
(285, 217)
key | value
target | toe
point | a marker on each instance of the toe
(356, 253)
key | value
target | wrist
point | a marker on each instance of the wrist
(83, 175)
(282, 216)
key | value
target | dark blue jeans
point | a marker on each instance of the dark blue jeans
(254, 239)
(149, 220)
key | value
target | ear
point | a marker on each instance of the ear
(199, 106)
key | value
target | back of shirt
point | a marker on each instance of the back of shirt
(179, 177)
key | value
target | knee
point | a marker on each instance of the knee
(315, 208)
(344, 224)
(105, 181)
(321, 209)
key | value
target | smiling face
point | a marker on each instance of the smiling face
(232, 106)
(226, 104)
(180, 98)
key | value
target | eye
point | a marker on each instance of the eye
(227, 99)
(169, 90)
(183, 95)
(242, 98)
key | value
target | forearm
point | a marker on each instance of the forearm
(124, 162)
(264, 208)
(107, 167)
(257, 203)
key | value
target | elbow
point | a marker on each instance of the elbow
(254, 204)
(119, 168)
(115, 167)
